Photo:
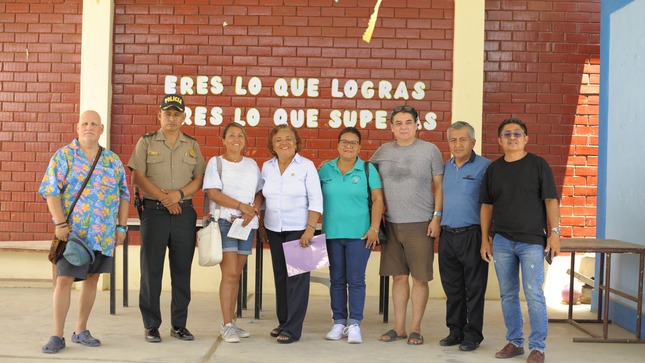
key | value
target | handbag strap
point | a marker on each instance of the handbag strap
(87, 179)
(369, 190)
(219, 172)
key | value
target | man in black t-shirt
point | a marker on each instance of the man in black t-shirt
(519, 200)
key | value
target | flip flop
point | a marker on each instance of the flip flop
(415, 339)
(392, 336)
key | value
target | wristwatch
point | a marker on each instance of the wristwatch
(122, 228)
(556, 230)
(438, 214)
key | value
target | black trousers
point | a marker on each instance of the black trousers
(161, 230)
(291, 293)
(464, 276)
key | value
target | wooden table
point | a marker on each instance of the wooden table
(605, 248)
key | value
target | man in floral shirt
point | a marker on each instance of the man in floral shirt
(99, 219)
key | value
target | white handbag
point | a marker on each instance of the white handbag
(209, 238)
(209, 243)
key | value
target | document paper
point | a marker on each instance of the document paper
(300, 260)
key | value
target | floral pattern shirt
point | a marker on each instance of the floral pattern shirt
(95, 215)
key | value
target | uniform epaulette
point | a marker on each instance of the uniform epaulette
(190, 137)
(150, 134)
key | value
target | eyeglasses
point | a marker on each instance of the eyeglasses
(345, 143)
(508, 134)
(404, 108)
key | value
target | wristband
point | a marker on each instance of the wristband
(438, 214)
(122, 228)
(312, 227)
(64, 225)
(375, 230)
(181, 193)
(61, 224)
(238, 205)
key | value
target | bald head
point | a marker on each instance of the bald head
(90, 115)
(89, 128)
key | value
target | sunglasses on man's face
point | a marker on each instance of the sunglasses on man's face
(508, 134)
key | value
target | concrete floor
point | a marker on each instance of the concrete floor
(26, 323)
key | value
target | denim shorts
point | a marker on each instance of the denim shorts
(232, 244)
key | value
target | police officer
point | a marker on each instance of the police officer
(168, 167)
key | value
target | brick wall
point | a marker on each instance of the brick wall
(542, 66)
(40, 45)
(308, 39)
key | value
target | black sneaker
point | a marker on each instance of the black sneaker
(181, 333)
(152, 335)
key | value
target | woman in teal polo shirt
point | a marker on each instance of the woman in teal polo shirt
(350, 230)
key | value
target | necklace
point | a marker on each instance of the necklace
(233, 160)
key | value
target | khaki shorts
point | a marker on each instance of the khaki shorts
(408, 251)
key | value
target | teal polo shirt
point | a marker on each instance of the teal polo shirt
(345, 199)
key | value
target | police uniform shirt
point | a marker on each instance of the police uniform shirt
(168, 168)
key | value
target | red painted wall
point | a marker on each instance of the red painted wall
(39, 94)
(542, 66)
(538, 67)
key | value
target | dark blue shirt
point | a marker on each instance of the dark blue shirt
(461, 189)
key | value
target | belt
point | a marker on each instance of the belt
(230, 219)
(151, 203)
(461, 229)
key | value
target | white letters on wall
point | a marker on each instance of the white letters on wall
(214, 115)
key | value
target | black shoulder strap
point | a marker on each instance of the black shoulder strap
(369, 190)
(87, 179)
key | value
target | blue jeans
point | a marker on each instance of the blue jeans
(347, 264)
(509, 256)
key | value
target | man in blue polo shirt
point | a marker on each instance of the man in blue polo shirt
(464, 274)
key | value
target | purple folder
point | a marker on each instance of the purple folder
(300, 260)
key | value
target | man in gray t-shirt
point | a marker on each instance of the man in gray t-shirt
(409, 168)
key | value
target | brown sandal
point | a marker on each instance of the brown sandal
(275, 332)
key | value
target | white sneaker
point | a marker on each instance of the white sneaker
(337, 332)
(228, 333)
(240, 332)
(354, 334)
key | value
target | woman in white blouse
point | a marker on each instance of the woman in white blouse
(236, 190)
(293, 201)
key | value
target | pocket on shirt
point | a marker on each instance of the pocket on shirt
(154, 159)
(189, 160)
